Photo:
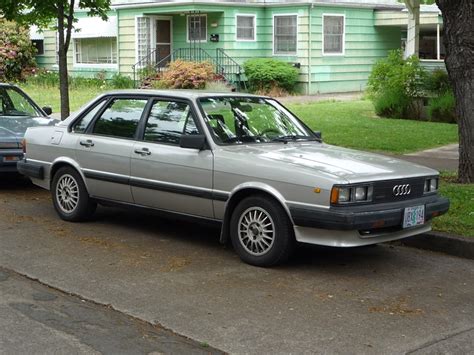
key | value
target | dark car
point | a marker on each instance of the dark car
(17, 113)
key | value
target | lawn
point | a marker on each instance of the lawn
(49, 96)
(460, 217)
(354, 124)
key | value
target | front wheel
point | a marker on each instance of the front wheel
(261, 232)
(70, 198)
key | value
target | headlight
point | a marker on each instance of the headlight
(431, 185)
(351, 194)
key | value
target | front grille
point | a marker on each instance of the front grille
(383, 190)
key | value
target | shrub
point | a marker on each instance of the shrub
(442, 108)
(396, 86)
(17, 53)
(188, 75)
(44, 78)
(438, 82)
(119, 81)
(265, 75)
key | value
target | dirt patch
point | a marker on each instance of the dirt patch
(399, 306)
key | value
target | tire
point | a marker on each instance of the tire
(70, 198)
(261, 232)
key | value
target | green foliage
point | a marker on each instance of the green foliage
(119, 81)
(188, 75)
(17, 53)
(442, 108)
(266, 74)
(438, 82)
(396, 85)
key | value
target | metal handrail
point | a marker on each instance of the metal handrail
(229, 68)
(149, 60)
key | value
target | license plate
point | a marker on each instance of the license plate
(414, 216)
(11, 158)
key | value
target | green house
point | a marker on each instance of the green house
(333, 43)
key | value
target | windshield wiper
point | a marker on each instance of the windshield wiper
(293, 138)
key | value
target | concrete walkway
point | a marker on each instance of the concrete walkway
(442, 158)
(300, 99)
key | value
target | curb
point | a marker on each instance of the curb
(444, 243)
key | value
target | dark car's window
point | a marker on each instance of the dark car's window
(121, 118)
(81, 125)
(15, 103)
(169, 120)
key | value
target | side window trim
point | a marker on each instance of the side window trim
(110, 101)
(144, 121)
(86, 112)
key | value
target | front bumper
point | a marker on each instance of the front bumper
(368, 217)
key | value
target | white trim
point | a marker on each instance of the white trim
(137, 57)
(77, 65)
(343, 35)
(291, 54)
(254, 16)
(153, 30)
(438, 42)
(187, 27)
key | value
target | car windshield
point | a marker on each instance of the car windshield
(14, 103)
(236, 120)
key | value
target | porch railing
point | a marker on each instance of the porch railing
(225, 66)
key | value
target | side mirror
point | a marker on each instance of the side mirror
(47, 110)
(318, 135)
(193, 141)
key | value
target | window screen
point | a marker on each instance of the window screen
(121, 118)
(284, 34)
(96, 50)
(245, 28)
(168, 120)
(333, 34)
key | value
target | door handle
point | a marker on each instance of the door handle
(143, 151)
(87, 143)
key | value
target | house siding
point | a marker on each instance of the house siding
(365, 42)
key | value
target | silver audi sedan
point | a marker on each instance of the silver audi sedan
(245, 162)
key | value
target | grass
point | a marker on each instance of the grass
(460, 217)
(49, 96)
(354, 124)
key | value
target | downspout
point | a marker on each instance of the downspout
(310, 31)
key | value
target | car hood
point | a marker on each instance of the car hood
(13, 128)
(351, 165)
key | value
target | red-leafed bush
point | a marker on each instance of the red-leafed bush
(188, 75)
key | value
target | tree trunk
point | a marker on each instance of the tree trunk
(62, 56)
(458, 18)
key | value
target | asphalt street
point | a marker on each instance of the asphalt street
(379, 300)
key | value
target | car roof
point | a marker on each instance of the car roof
(188, 94)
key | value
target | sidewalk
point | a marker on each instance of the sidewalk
(442, 158)
(300, 99)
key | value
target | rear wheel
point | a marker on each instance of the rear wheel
(70, 197)
(261, 232)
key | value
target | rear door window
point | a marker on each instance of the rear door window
(120, 119)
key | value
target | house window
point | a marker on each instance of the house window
(39, 45)
(96, 50)
(143, 31)
(197, 28)
(285, 34)
(245, 27)
(333, 34)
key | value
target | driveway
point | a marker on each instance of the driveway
(384, 299)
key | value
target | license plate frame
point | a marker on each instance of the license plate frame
(414, 216)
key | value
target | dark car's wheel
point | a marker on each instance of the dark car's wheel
(70, 197)
(261, 232)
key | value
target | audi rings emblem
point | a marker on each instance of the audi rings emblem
(402, 190)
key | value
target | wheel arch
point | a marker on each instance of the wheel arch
(65, 162)
(245, 190)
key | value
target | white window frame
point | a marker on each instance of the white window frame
(92, 65)
(332, 54)
(187, 28)
(254, 16)
(137, 54)
(292, 54)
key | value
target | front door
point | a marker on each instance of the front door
(166, 176)
(163, 40)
